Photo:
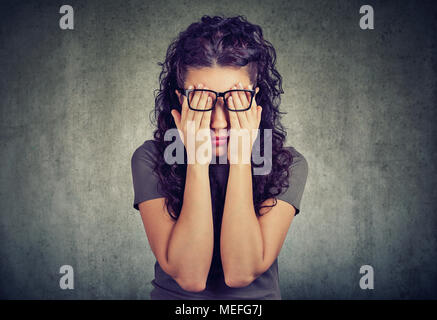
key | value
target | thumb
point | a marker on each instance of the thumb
(176, 116)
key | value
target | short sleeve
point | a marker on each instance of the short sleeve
(298, 173)
(145, 180)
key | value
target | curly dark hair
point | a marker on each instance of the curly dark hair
(224, 42)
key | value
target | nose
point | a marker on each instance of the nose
(219, 116)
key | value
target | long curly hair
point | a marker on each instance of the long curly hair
(224, 42)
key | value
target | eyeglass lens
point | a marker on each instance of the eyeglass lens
(214, 98)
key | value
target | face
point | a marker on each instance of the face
(219, 79)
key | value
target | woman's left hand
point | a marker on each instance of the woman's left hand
(244, 124)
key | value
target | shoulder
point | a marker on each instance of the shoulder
(300, 163)
(145, 156)
(147, 150)
(298, 173)
(146, 179)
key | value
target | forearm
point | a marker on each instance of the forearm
(191, 243)
(241, 239)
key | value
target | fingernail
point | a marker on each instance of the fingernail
(190, 87)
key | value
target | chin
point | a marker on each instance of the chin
(219, 151)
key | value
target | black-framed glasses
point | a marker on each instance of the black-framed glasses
(189, 93)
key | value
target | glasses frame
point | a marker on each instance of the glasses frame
(186, 93)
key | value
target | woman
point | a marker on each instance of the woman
(214, 226)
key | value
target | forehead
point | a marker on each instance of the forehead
(217, 78)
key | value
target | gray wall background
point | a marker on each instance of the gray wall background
(361, 107)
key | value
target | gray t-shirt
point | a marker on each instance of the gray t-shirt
(266, 286)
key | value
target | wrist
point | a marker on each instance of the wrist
(197, 167)
(241, 166)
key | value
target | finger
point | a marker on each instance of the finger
(243, 96)
(184, 107)
(187, 113)
(176, 117)
(233, 118)
(196, 96)
(206, 119)
(242, 115)
(254, 105)
(237, 105)
(259, 113)
(236, 98)
(249, 95)
(202, 106)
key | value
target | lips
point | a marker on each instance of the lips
(219, 140)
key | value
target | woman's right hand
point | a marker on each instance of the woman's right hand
(191, 122)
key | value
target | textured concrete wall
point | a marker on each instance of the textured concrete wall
(361, 107)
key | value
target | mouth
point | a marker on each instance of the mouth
(219, 140)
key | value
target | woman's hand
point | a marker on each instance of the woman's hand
(193, 122)
(244, 124)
